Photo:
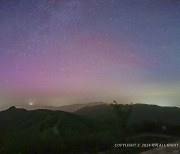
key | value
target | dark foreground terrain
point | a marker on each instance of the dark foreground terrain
(94, 129)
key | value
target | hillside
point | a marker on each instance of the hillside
(140, 113)
(36, 131)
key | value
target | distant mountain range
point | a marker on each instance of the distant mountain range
(67, 108)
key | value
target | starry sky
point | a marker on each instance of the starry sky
(58, 52)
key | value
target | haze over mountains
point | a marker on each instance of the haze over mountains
(68, 108)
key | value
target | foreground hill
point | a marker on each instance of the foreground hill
(44, 131)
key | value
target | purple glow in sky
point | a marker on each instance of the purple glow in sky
(59, 52)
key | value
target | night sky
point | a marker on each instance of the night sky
(57, 52)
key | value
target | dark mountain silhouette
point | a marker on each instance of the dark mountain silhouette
(140, 113)
(91, 129)
(23, 131)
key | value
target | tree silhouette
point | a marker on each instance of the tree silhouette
(123, 115)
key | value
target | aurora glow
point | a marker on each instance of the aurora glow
(59, 52)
